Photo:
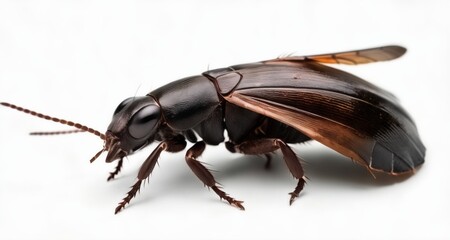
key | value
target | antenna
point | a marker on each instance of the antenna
(46, 133)
(81, 128)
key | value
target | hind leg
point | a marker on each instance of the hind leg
(268, 145)
(231, 147)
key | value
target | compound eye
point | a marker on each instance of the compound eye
(123, 104)
(144, 121)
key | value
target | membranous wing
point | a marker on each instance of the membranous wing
(351, 57)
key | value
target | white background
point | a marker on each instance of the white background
(79, 59)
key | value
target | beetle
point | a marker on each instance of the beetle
(264, 107)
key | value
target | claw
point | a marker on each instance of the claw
(110, 177)
(118, 208)
(297, 190)
(233, 202)
(236, 203)
(293, 197)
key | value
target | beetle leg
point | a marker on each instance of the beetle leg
(268, 161)
(268, 145)
(232, 148)
(205, 175)
(147, 168)
(116, 170)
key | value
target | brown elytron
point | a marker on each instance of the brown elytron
(263, 107)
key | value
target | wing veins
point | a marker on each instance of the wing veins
(302, 111)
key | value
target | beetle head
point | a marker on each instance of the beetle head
(134, 124)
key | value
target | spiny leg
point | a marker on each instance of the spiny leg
(268, 145)
(147, 168)
(294, 166)
(205, 175)
(116, 171)
(130, 194)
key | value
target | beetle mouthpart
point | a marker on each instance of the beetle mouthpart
(113, 152)
(112, 146)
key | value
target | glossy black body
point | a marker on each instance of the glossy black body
(209, 115)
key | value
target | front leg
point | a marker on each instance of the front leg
(148, 166)
(205, 175)
(116, 171)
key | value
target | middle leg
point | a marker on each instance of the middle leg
(205, 175)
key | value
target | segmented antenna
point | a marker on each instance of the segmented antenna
(62, 121)
(46, 133)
